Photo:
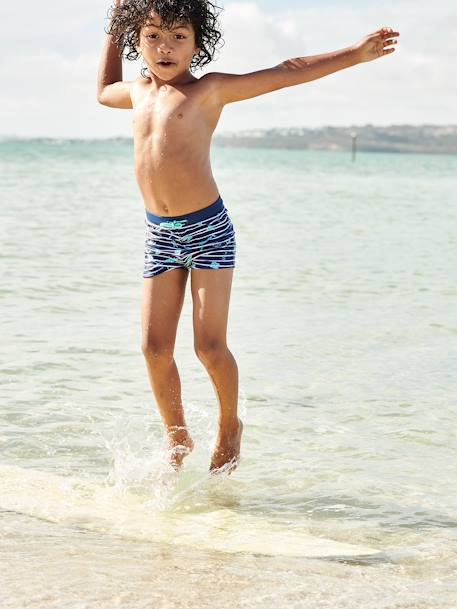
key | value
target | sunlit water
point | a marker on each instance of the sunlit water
(343, 322)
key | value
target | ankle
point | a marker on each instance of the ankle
(228, 427)
(177, 432)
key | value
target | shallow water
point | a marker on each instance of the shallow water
(343, 323)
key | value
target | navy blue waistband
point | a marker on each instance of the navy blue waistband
(194, 216)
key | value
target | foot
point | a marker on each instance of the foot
(180, 444)
(226, 454)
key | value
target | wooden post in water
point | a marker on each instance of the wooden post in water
(354, 144)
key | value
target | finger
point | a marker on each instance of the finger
(385, 29)
(388, 31)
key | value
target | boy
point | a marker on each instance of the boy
(187, 225)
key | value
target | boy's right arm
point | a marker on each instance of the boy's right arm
(111, 89)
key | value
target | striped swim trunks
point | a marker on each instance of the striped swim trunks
(203, 239)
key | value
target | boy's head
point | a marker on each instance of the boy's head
(185, 31)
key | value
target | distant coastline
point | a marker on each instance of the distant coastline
(431, 139)
(428, 139)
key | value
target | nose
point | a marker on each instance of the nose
(165, 46)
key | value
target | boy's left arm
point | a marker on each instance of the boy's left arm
(236, 87)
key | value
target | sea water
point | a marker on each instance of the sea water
(343, 321)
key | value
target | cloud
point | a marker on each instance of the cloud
(255, 39)
(51, 60)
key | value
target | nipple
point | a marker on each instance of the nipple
(180, 115)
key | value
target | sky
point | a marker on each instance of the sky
(51, 51)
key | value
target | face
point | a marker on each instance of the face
(175, 46)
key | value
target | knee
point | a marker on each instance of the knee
(210, 352)
(155, 350)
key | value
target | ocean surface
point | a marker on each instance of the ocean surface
(343, 322)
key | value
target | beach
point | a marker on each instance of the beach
(343, 323)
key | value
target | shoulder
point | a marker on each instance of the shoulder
(237, 87)
(139, 82)
(138, 88)
(212, 79)
(211, 85)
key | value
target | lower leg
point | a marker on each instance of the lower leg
(223, 371)
(166, 385)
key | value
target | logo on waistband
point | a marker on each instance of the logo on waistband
(173, 224)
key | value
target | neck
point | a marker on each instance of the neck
(184, 78)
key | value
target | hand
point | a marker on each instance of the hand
(374, 45)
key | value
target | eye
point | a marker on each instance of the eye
(151, 35)
(181, 35)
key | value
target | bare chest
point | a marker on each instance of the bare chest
(169, 120)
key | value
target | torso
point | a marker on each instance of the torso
(172, 130)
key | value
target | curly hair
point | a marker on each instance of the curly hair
(127, 20)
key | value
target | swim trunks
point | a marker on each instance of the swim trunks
(203, 239)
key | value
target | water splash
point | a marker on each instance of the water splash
(139, 461)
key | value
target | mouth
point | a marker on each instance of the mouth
(165, 63)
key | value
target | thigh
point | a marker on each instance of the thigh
(161, 305)
(213, 245)
(211, 290)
